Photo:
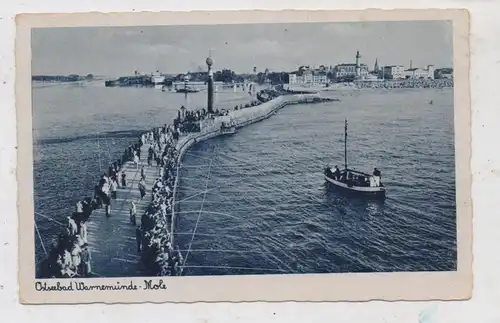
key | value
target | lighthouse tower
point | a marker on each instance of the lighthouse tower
(358, 67)
(210, 85)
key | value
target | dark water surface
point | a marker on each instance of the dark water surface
(266, 208)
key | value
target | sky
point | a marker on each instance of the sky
(119, 51)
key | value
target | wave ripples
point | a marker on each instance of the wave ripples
(267, 206)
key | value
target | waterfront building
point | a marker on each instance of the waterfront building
(319, 78)
(443, 73)
(342, 71)
(418, 73)
(371, 77)
(351, 71)
(307, 75)
(393, 72)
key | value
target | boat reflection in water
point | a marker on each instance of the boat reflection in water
(352, 206)
(355, 182)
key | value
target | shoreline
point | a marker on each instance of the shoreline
(380, 84)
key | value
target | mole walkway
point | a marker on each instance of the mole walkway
(112, 241)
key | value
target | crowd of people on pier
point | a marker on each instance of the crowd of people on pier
(189, 121)
(153, 236)
(70, 253)
(247, 105)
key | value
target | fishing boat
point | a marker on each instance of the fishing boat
(355, 181)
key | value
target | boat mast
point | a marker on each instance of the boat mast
(345, 145)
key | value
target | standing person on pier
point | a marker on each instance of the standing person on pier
(114, 187)
(138, 238)
(85, 268)
(138, 149)
(105, 192)
(133, 213)
(79, 208)
(150, 155)
(97, 196)
(72, 228)
(158, 161)
(136, 160)
(142, 188)
(124, 179)
(107, 205)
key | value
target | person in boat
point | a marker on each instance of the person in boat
(376, 176)
(336, 173)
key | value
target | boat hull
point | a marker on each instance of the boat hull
(186, 91)
(228, 131)
(359, 190)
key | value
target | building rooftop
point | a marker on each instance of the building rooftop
(350, 64)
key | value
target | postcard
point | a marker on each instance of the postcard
(244, 156)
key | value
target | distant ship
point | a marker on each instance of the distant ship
(157, 78)
(187, 90)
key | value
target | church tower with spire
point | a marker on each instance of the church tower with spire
(376, 68)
